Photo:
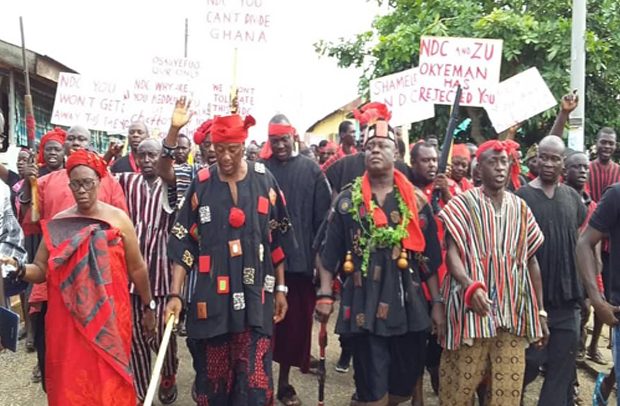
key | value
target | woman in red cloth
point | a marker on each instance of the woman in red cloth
(87, 254)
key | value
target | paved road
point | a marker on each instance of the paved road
(16, 389)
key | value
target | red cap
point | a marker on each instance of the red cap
(201, 133)
(87, 158)
(461, 150)
(57, 134)
(231, 129)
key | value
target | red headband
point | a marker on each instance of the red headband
(87, 158)
(231, 129)
(276, 130)
(57, 134)
(461, 150)
(512, 149)
(201, 133)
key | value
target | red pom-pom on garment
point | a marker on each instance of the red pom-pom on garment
(236, 218)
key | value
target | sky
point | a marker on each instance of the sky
(117, 38)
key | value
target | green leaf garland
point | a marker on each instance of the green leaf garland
(377, 236)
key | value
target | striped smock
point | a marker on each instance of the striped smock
(495, 246)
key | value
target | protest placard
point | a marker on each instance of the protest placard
(241, 22)
(446, 62)
(400, 93)
(95, 103)
(518, 98)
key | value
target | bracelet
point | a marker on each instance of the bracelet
(324, 296)
(177, 296)
(21, 269)
(438, 300)
(471, 289)
(166, 151)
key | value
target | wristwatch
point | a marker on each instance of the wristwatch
(543, 313)
(152, 306)
(282, 288)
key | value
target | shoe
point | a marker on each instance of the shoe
(168, 390)
(342, 368)
(344, 361)
(36, 375)
(597, 357)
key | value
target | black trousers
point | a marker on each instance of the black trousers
(38, 321)
(558, 356)
(387, 365)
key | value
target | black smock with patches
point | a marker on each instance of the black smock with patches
(308, 198)
(559, 218)
(386, 287)
(232, 293)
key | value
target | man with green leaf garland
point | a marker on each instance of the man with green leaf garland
(381, 234)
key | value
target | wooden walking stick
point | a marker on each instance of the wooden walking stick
(30, 130)
(159, 362)
(321, 370)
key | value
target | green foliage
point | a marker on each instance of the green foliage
(535, 33)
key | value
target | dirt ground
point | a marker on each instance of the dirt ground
(17, 390)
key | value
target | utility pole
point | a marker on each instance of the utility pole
(186, 38)
(578, 75)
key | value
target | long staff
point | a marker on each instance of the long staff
(321, 369)
(30, 129)
(159, 362)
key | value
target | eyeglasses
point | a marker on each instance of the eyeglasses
(88, 184)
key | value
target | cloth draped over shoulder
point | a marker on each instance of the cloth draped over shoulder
(495, 246)
(88, 329)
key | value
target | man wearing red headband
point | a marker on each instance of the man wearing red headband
(380, 239)
(234, 225)
(461, 159)
(494, 301)
(54, 197)
(308, 198)
(560, 211)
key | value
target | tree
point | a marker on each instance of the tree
(535, 33)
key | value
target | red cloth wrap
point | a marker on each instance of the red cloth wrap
(371, 112)
(461, 150)
(415, 239)
(87, 158)
(512, 149)
(57, 134)
(232, 129)
(471, 289)
(201, 133)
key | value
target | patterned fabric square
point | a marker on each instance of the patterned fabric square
(223, 285)
(204, 263)
(263, 205)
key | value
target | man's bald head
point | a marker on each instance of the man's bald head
(553, 141)
(78, 137)
(551, 151)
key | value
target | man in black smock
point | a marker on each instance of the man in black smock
(559, 211)
(383, 309)
(308, 198)
(226, 226)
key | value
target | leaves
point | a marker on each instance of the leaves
(535, 33)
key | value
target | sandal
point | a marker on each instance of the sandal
(36, 375)
(168, 392)
(288, 396)
(597, 357)
(597, 396)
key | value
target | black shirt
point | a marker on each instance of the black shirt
(559, 218)
(122, 165)
(606, 219)
(308, 198)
